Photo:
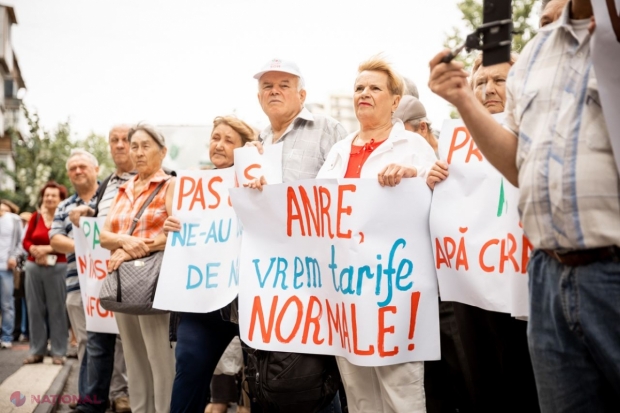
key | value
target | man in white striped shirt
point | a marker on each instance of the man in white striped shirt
(103, 369)
(555, 146)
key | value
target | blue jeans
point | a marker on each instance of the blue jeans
(96, 371)
(333, 407)
(201, 341)
(24, 329)
(7, 305)
(574, 334)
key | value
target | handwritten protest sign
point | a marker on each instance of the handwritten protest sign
(605, 51)
(481, 253)
(199, 272)
(92, 264)
(342, 268)
(249, 164)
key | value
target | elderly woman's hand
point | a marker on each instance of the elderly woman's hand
(256, 183)
(117, 258)
(255, 144)
(36, 251)
(41, 260)
(392, 174)
(172, 224)
(134, 246)
(437, 173)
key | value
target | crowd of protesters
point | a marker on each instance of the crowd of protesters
(553, 145)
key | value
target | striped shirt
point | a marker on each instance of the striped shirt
(126, 207)
(307, 141)
(569, 185)
(111, 190)
(62, 226)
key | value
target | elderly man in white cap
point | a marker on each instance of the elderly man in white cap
(307, 137)
(413, 114)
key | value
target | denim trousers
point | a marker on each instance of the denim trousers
(201, 341)
(96, 372)
(24, 329)
(574, 334)
(7, 305)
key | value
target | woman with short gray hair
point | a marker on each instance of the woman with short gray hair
(148, 355)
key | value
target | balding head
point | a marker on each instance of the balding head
(119, 148)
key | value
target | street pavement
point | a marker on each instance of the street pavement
(23, 388)
(32, 388)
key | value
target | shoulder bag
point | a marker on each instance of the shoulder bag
(131, 288)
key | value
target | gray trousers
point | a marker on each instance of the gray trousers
(45, 297)
(118, 384)
(77, 316)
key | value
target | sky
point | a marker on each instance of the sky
(97, 63)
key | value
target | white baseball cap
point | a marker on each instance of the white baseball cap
(279, 65)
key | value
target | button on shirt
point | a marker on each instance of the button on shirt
(568, 179)
(62, 225)
(307, 141)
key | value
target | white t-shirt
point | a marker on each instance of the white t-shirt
(7, 234)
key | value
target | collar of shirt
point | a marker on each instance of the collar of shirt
(124, 177)
(396, 135)
(128, 186)
(75, 199)
(266, 136)
(565, 23)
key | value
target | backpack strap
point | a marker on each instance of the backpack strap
(100, 192)
(145, 205)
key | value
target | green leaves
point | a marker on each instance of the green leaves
(472, 18)
(41, 155)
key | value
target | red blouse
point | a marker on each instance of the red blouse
(38, 234)
(358, 157)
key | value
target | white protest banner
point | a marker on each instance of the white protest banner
(342, 268)
(92, 265)
(606, 58)
(199, 272)
(481, 253)
(249, 164)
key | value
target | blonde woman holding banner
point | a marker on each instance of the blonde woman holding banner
(203, 337)
(381, 149)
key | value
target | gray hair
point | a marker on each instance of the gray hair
(150, 130)
(81, 152)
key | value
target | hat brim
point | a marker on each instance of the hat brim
(260, 74)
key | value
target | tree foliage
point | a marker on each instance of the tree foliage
(472, 18)
(41, 155)
(98, 146)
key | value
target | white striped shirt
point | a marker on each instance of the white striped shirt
(111, 190)
(570, 196)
